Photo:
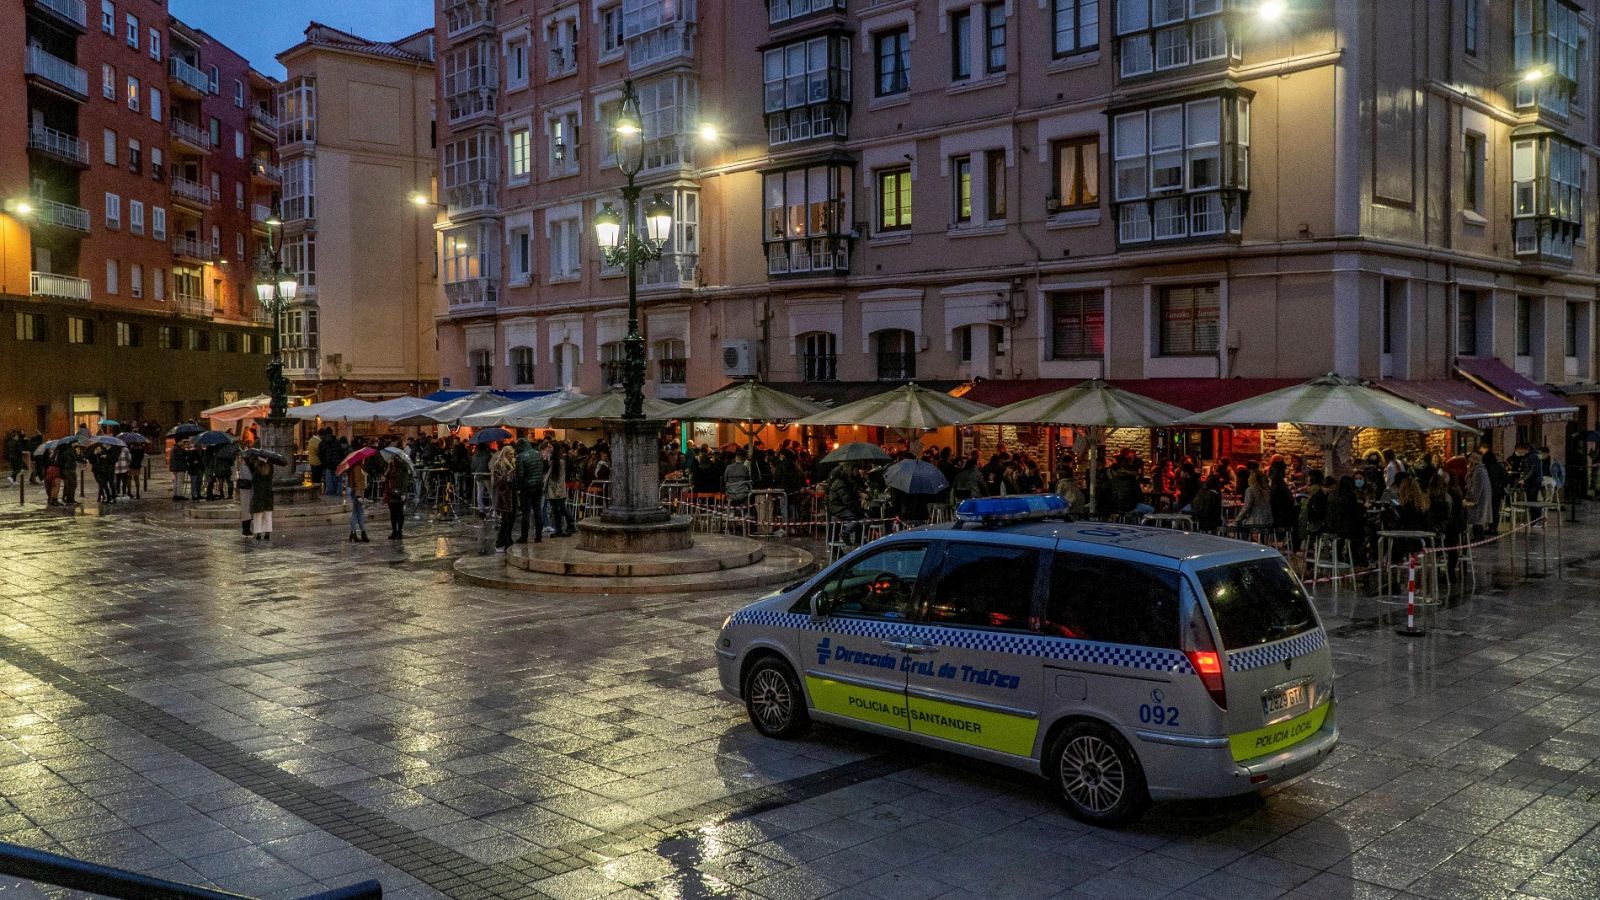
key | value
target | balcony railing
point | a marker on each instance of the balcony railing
(461, 16)
(191, 248)
(260, 168)
(260, 115)
(191, 305)
(189, 76)
(260, 213)
(471, 92)
(811, 256)
(74, 12)
(61, 215)
(63, 287)
(483, 375)
(190, 133)
(472, 294)
(672, 371)
(671, 270)
(59, 144)
(471, 197)
(613, 372)
(192, 191)
(261, 315)
(819, 367)
(57, 71)
(897, 366)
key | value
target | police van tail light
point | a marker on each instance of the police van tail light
(1208, 664)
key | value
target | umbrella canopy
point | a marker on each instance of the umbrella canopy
(1331, 401)
(490, 435)
(356, 458)
(212, 439)
(109, 423)
(397, 453)
(523, 414)
(915, 477)
(857, 451)
(108, 440)
(1092, 404)
(344, 410)
(908, 408)
(44, 448)
(134, 438)
(588, 412)
(271, 456)
(395, 408)
(750, 401)
(187, 429)
(450, 411)
(248, 408)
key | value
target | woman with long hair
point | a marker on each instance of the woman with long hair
(503, 488)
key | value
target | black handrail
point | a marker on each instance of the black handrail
(64, 871)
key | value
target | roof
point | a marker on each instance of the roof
(1193, 394)
(320, 35)
(1167, 543)
(1457, 399)
(838, 393)
(1496, 377)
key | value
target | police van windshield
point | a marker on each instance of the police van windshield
(1257, 603)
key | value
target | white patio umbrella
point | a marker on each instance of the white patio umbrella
(906, 408)
(395, 408)
(450, 412)
(1328, 411)
(747, 402)
(515, 415)
(1094, 406)
(587, 412)
(343, 410)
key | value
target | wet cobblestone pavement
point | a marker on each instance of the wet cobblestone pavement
(276, 718)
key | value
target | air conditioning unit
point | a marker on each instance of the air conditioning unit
(739, 359)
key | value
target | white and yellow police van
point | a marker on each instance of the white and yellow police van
(1123, 664)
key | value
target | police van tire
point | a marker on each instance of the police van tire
(1097, 775)
(774, 700)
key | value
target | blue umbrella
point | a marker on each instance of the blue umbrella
(187, 429)
(490, 435)
(213, 439)
(914, 476)
(134, 437)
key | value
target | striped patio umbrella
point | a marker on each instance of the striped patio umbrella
(906, 408)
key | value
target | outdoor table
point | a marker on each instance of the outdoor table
(1181, 521)
(771, 506)
(1536, 511)
(1427, 585)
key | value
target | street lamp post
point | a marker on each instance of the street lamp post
(275, 289)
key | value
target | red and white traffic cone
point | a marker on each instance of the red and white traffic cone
(1411, 629)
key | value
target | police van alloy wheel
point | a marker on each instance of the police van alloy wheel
(774, 700)
(1097, 775)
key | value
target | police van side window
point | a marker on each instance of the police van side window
(882, 585)
(1113, 601)
(984, 585)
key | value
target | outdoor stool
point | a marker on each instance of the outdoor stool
(1336, 556)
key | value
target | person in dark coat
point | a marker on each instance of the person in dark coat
(1207, 506)
(503, 490)
(396, 488)
(1499, 480)
(531, 470)
(1347, 518)
(261, 499)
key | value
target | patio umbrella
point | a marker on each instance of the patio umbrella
(907, 408)
(355, 458)
(588, 412)
(1094, 406)
(397, 453)
(255, 407)
(187, 429)
(108, 440)
(856, 451)
(343, 410)
(1328, 411)
(133, 438)
(394, 408)
(450, 411)
(747, 402)
(914, 476)
(524, 412)
(212, 439)
(491, 435)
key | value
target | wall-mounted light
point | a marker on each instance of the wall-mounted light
(1270, 10)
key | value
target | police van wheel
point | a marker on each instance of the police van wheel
(774, 700)
(1097, 775)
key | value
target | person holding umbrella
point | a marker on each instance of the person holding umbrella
(396, 487)
(177, 464)
(243, 483)
(66, 454)
(356, 475)
(843, 498)
(261, 499)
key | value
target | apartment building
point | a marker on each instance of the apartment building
(1188, 197)
(356, 135)
(128, 155)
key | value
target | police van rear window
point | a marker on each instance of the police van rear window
(1257, 603)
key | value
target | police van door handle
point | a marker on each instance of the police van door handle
(921, 648)
(902, 646)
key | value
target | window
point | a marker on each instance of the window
(565, 258)
(32, 327)
(1256, 603)
(563, 131)
(238, 93)
(157, 164)
(807, 89)
(158, 285)
(880, 585)
(1547, 35)
(1077, 26)
(1524, 335)
(894, 62)
(214, 129)
(299, 189)
(1180, 169)
(516, 64)
(656, 30)
(135, 280)
(610, 31)
(961, 187)
(1078, 325)
(154, 42)
(132, 22)
(213, 77)
(113, 212)
(158, 222)
(1110, 601)
(155, 104)
(111, 276)
(135, 217)
(197, 339)
(238, 245)
(1546, 195)
(238, 144)
(297, 112)
(1393, 312)
(109, 143)
(1156, 35)
(994, 41)
(894, 199)
(672, 362)
(80, 330)
(135, 156)
(216, 240)
(1472, 171)
(1466, 322)
(818, 357)
(522, 365)
(960, 45)
(134, 93)
(521, 254)
(129, 334)
(1189, 319)
(1469, 25)
(482, 366)
(561, 38)
(985, 586)
(166, 337)
(1077, 173)
(470, 80)
(108, 81)
(108, 17)
(897, 355)
(994, 185)
(809, 218)
(521, 153)
(1570, 341)
(238, 195)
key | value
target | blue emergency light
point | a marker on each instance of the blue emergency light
(994, 510)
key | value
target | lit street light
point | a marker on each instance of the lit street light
(274, 290)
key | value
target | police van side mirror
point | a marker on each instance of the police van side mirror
(822, 604)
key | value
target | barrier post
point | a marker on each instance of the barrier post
(1411, 629)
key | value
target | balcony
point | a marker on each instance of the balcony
(473, 197)
(672, 270)
(191, 249)
(192, 193)
(819, 367)
(56, 74)
(613, 372)
(472, 295)
(259, 214)
(191, 305)
(266, 120)
(809, 256)
(563, 61)
(471, 93)
(261, 315)
(262, 170)
(463, 17)
(58, 145)
(186, 132)
(187, 80)
(672, 371)
(896, 366)
(60, 215)
(73, 14)
(60, 287)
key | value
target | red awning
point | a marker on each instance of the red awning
(1193, 394)
(1457, 399)
(1496, 377)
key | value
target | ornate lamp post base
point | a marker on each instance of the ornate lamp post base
(634, 521)
(278, 435)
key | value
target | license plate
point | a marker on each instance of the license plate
(1289, 699)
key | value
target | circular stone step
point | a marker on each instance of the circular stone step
(710, 553)
(226, 515)
(780, 564)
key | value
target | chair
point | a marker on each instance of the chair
(1334, 555)
(837, 543)
(938, 512)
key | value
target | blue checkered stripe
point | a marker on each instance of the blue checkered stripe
(1257, 657)
(1118, 655)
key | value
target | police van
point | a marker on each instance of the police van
(1123, 664)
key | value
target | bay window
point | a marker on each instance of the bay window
(471, 264)
(1547, 176)
(471, 78)
(1547, 36)
(780, 11)
(1181, 170)
(471, 166)
(1160, 35)
(807, 89)
(809, 219)
(657, 30)
(299, 189)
